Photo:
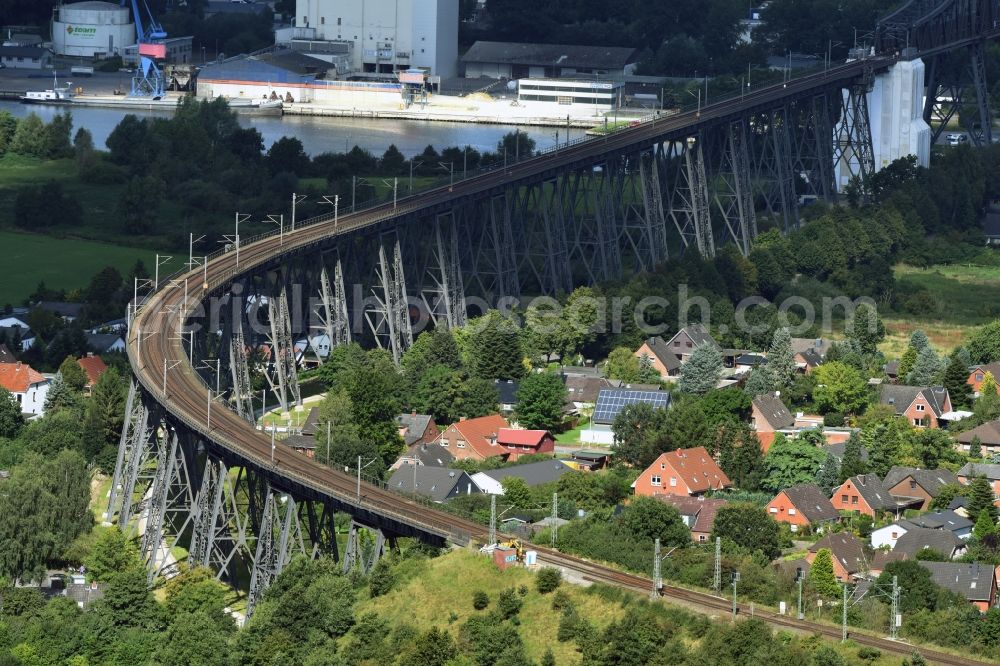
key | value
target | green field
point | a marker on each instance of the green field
(964, 297)
(62, 263)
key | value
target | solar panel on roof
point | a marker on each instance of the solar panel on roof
(612, 401)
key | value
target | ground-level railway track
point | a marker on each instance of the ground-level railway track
(154, 345)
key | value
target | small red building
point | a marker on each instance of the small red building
(801, 506)
(922, 406)
(525, 442)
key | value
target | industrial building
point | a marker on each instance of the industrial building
(292, 77)
(379, 36)
(505, 60)
(91, 29)
(25, 57)
(600, 95)
(179, 50)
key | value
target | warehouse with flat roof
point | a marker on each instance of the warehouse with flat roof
(508, 60)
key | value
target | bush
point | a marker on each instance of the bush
(548, 580)
(561, 600)
(381, 580)
(509, 603)
(869, 654)
(480, 600)
(833, 420)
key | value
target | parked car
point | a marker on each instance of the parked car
(957, 139)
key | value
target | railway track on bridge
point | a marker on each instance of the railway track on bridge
(154, 346)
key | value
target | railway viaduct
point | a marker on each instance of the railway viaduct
(193, 471)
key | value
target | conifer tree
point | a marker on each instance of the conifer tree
(985, 525)
(976, 448)
(906, 362)
(925, 369)
(821, 577)
(956, 376)
(701, 373)
(781, 359)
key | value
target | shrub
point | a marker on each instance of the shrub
(833, 420)
(508, 604)
(869, 654)
(480, 600)
(561, 600)
(548, 580)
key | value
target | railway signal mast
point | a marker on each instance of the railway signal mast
(148, 78)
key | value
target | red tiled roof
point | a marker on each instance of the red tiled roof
(17, 377)
(94, 367)
(696, 468)
(516, 437)
(478, 432)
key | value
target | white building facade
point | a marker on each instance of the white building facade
(92, 28)
(385, 36)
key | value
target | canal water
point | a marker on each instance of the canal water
(320, 135)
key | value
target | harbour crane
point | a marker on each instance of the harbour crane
(148, 78)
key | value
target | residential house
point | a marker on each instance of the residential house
(818, 345)
(948, 521)
(520, 442)
(698, 513)
(533, 474)
(681, 472)
(768, 415)
(417, 428)
(474, 438)
(907, 482)
(105, 343)
(891, 370)
(849, 557)
(94, 367)
(978, 372)
(508, 395)
(864, 494)
(611, 401)
(425, 453)
(689, 338)
(887, 536)
(836, 449)
(437, 483)
(922, 406)
(969, 471)
(917, 539)
(17, 337)
(68, 312)
(804, 505)
(27, 386)
(7, 321)
(989, 438)
(976, 582)
(5, 355)
(658, 353)
(582, 391)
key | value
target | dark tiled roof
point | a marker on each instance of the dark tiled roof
(943, 520)
(584, 389)
(438, 483)
(661, 350)
(837, 450)
(300, 442)
(988, 434)
(551, 55)
(415, 425)
(6, 356)
(991, 224)
(432, 455)
(59, 308)
(973, 581)
(819, 346)
(811, 357)
(700, 511)
(699, 335)
(990, 471)
(930, 480)
(917, 538)
(900, 397)
(874, 491)
(751, 359)
(811, 502)
(102, 342)
(311, 423)
(22, 51)
(774, 411)
(846, 548)
(533, 474)
(892, 368)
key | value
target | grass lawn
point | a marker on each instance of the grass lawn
(571, 436)
(428, 591)
(61, 263)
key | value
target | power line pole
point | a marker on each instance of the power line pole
(555, 516)
(493, 520)
(843, 617)
(717, 580)
(657, 580)
(736, 579)
(895, 620)
(800, 576)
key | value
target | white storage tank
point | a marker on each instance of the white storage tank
(91, 28)
(531, 558)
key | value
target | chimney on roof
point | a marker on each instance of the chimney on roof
(777, 394)
(90, 354)
(17, 368)
(413, 412)
(461, 418)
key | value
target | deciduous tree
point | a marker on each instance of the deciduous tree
(790, 462)
(541, 401)
(749, 527)
(840, 388)
(73, 374)
(11, 418)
